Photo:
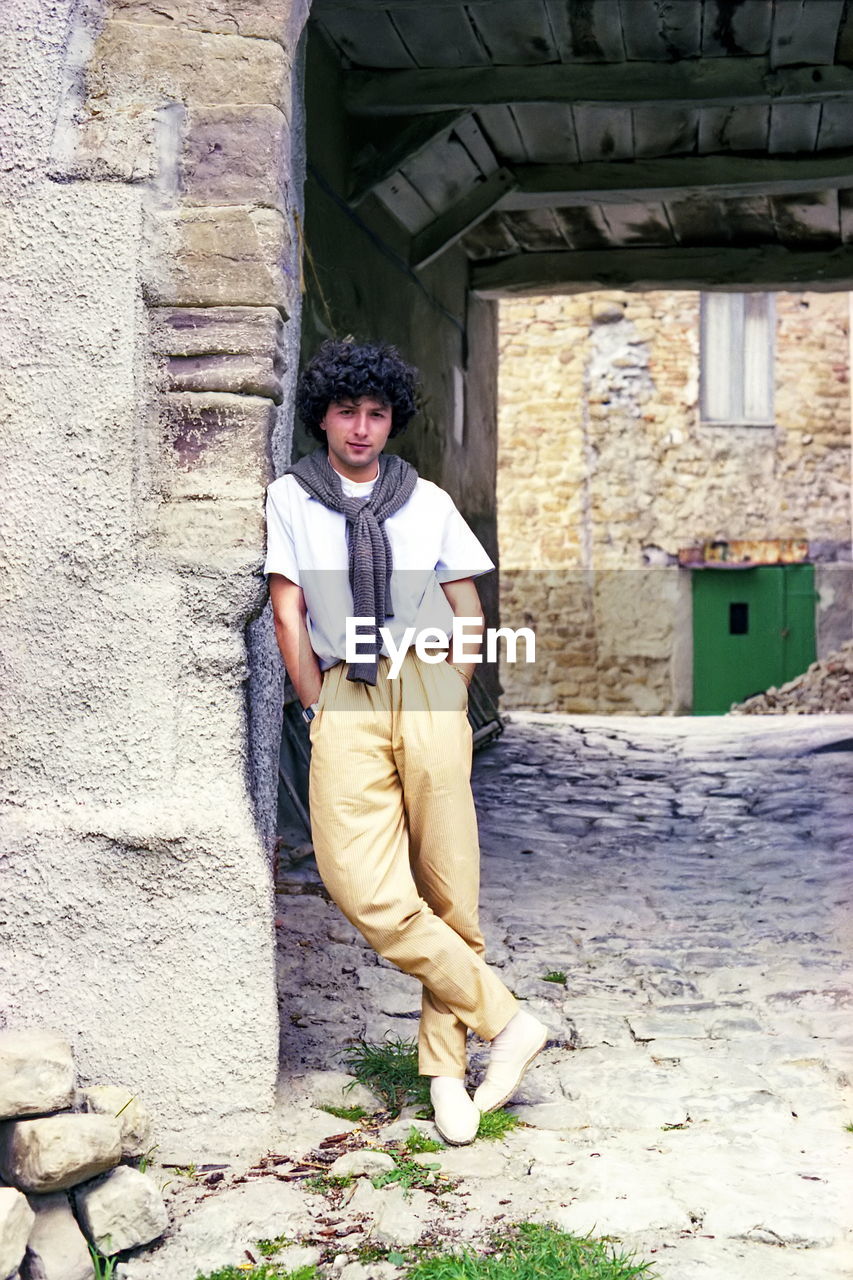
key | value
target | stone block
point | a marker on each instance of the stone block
(222, 257)
(360, 1163)
(399, 1130)
(56, 1248)
(122, 146)
(174, 64)
(665, 1027)
(236, 350)
(236, 155)
(547, 1115)
(217, 445)
(264, 19)
(795, 1222)
(390, 992)
(480, 1160)
(135, 1122)
(232, 375)
(121, 1210)
(622, 1215)
(211, 331)
(403, 1216)
(221, 535)
(16, 1220)
(55, 1152)
(735, 1028)
(222, 1227)
(332, 1088)
(37, 1072)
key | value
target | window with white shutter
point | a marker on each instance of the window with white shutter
(736, 358)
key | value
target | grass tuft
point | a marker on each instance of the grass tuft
(147, 1159)
(345, 1113)
(269, 1248)
(406, 1173)
(495, 1124)
(536, 1252)
(102, 1267)
(556, 975)
(418, 1142)
(849, 1127)
(398, 1257)
(323, 1183)
(390, 1070)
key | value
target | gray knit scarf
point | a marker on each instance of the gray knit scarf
(369, 550)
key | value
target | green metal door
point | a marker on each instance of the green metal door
(752, 628)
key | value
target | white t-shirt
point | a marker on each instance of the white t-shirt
(430, 544)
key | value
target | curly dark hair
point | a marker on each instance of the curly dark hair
(343, 369)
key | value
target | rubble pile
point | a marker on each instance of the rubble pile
(827, 686)
(65, 1180)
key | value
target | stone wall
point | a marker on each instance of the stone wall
(150, 330)
(605, 470)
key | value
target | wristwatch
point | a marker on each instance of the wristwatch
(308, 713)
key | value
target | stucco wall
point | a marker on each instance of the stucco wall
(150, 326)
(605, 470)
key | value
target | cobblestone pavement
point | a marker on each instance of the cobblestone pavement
(692, 882)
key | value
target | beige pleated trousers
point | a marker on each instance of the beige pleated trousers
(395, 836)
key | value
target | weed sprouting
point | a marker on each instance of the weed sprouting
(345, 1113)
(418, 1142)
(390, 1070)
(406, 1173)
(146, 1159)
(323, 1183)
(269, 1248)
(496, 1124)
(535, 1251)
(102, 1266)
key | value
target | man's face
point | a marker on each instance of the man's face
(356, 432)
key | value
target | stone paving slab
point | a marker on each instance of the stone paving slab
(691, 881)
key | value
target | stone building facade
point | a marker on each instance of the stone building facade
(606, 471)
(165, 261)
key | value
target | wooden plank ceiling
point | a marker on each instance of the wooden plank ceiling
(601, 142)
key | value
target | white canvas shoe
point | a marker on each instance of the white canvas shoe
(513, 1050)
(456, 1117)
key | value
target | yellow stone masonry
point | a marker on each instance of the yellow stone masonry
(605, 470)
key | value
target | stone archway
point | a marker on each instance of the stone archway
(153, 225)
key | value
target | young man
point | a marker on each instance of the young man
(355, 533)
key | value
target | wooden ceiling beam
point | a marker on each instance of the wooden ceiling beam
(709, 82)
(452, 225)
(321, 8)
(545, 186)
(709, 267)
(406, 144)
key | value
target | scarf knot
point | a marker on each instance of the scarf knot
(370, 559)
